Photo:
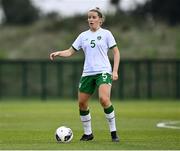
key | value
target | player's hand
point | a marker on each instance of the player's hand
(114, 76)
(53, 55)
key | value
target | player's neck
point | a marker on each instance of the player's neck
(95, 29)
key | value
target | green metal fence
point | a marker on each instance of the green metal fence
(42, 78)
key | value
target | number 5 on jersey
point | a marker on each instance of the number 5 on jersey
(93, 43)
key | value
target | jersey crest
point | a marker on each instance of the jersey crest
(99, 38)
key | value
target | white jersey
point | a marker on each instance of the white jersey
(95, 46)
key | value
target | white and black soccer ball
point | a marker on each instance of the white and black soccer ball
(63, 134)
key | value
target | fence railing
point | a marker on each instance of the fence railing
(42, 78)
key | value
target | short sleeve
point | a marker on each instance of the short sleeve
(111, 40)
(77, 44)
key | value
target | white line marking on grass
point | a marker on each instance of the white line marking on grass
(169, 124)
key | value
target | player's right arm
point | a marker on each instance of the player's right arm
(65, 53)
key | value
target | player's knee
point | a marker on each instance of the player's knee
(104, 100)
(83, 105)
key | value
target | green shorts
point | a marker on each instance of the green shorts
(88, 84)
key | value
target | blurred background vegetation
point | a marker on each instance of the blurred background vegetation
(147, 35)
(151, 30)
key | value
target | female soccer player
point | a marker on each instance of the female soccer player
(97, 72)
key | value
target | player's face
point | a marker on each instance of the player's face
(94, 20)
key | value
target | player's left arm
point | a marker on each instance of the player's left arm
(116, 62)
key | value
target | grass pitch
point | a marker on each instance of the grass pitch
(30, 125)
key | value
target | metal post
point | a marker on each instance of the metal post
(74, 80)
(137, 77)
(43, 80)
(121, 81)
(1, 80)
(149, 79)
(24, 79)
(60, 79)
(177, 79)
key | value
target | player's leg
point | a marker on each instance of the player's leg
(86, 88)
(104, 83)
(85, 116)
(104, 97)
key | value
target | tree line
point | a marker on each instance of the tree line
(19, 11)
(166, 10)
(24, 12)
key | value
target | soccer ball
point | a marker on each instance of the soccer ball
(63, 134)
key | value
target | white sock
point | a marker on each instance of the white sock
(86, 120)
(111, 121)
